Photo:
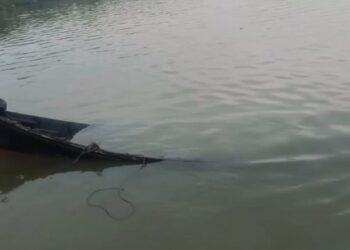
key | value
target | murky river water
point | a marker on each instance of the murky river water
(257, 90)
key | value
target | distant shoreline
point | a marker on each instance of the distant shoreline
(7, 4)
(13, 3)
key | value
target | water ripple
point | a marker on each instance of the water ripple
(236, 72)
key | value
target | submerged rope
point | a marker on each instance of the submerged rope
(120, 190)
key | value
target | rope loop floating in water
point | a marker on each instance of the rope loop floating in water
(119, 190)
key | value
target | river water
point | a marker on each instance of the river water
(256, 91)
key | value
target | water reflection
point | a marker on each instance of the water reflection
(17, 169)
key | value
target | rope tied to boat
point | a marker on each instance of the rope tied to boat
(119, 191)
(92, 147)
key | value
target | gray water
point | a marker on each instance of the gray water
(258, 91)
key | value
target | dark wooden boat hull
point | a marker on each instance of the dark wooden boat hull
(38, 135)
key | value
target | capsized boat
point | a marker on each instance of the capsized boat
(39, 135)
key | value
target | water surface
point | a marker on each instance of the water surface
(257, 90)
